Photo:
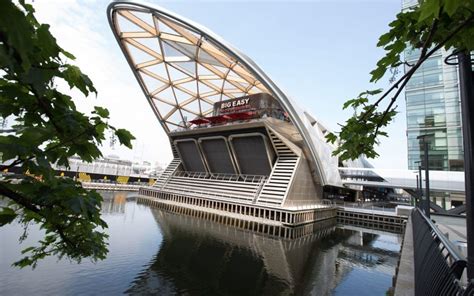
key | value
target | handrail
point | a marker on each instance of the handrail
(438, 265)
(221, 176)
(444, 240)
(210, 194)
(305, 204)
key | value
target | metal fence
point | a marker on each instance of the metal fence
(438, 265)
(221, 176)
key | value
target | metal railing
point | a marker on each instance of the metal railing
(308, 204)
(438, 265)
(209, 194)
(255, 180)
(224, 177)
(368, 207)
(114, 182)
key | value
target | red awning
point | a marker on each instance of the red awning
(241, 115)
(218, 119)
(224, 118)
(199, 121)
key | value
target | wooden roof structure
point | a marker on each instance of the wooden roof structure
(182, 71)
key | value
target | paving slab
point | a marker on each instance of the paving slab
(405, 283)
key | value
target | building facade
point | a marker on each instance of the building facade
(434, 108)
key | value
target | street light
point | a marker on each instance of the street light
(466, 90)
(426, 199)
(419, 185)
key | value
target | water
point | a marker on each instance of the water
(157, 252)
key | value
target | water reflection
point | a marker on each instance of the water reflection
(134, 238)
(201, 257)
(158, 252)
(114, 202)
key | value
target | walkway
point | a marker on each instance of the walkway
(454, 229)
(405, 283)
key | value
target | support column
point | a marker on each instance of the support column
(467, 111)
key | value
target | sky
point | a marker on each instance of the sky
(319, 52)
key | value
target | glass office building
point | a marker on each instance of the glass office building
(433, 108)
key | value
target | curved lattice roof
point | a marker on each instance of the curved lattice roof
(182, 71)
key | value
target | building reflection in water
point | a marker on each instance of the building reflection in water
(201, 257)
(114, 201)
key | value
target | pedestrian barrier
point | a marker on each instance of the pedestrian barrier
(438, 265)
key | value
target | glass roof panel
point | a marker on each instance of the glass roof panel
(188, 50)
(214, 98)
(193, 105)
(126, 25)
(156, 70)
(151, 83)
(204, 71)
(151, 43)
(167, 95)
(239, 94)
(197, 81)
(188, 116)
(221, 69)
(176, 74)
(204, 57)
(176, 118)
(181, 95)
(138, 56)
(203, 88)
(162, 107)
(227, 97)
(205, 105)
(215, 84)
(162, 27)
(171, 52)
(232, 86)
(144, 16)
(189, 67)
(191, 86)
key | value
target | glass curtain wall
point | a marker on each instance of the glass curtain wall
(433, 108)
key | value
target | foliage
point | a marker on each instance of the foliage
(48, 129)
(431, 25)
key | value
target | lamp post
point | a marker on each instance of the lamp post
(417, 189)
(466, 87)
(426, 198)
(419, 185)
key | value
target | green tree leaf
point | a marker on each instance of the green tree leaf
(125, 137)
(102, 112)
(429, 9)
(7, 215)
(48, 129)
(432, 24)
(451, 6)
(75, 78)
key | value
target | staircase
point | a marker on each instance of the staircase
(167, 173)
(275, 189)
(174, 150)
(212, 188)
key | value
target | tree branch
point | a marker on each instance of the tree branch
(418, 64)
(19, 199)
(24, 202)
(19, 160)
(426, 44)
